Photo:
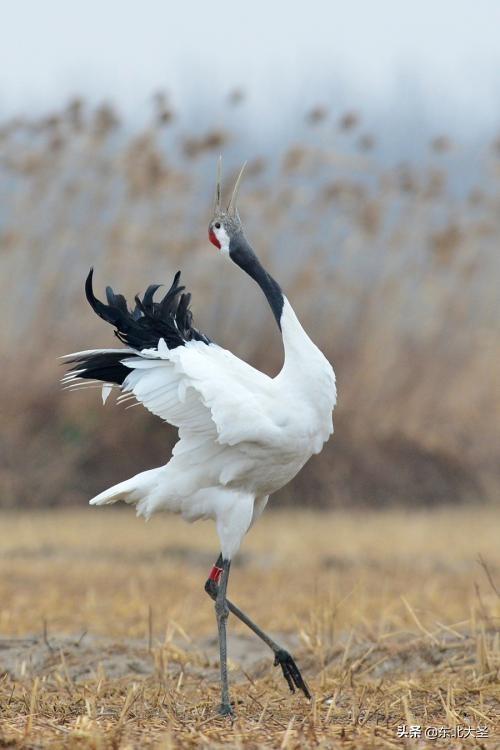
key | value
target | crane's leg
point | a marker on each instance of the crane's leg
(290, 670)
(222, 612)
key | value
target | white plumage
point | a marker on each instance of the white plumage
(242, 434)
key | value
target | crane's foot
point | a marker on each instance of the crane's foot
(225, 709)
(291, 672)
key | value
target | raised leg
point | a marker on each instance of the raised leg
(222, 612)
(290, 670)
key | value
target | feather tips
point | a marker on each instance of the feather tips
(159, 326)
(144, 326)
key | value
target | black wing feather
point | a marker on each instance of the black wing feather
(140, 328)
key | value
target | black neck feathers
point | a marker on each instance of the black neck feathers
(242, 254)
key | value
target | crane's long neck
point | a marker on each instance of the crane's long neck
(305, 372)
(298, 346)
(242, 254)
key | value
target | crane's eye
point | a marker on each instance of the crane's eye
(217, 225)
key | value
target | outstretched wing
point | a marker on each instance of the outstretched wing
(203, 390)
(176, 372)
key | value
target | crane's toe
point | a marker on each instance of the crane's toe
(291, 672)
(225, 709)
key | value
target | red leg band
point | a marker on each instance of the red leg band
(215, 574)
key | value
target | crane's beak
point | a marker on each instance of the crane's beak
(231, 209)
(218, 188)
(231, 206)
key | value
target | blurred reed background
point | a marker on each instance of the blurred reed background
(393, 269)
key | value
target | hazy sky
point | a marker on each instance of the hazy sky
(123, 49)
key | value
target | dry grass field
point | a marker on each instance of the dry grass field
(107, 639)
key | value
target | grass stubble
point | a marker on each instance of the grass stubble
(107, 639)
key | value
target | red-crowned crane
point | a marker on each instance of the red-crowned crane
(242, 434)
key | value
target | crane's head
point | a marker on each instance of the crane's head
(226, 233)
(225, 224)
